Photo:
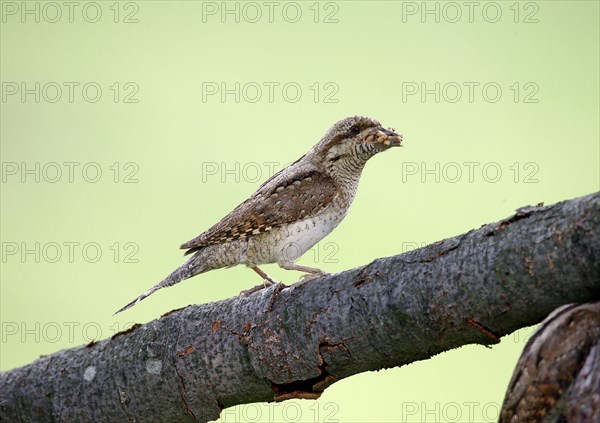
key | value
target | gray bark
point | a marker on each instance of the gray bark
(293, 342)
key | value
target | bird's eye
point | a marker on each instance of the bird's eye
(354, 129)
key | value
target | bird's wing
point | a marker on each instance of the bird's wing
(287, 199)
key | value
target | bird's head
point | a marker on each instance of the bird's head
(355, 140)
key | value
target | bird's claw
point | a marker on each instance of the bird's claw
(310, 276)
(267, 282)
(251, 290)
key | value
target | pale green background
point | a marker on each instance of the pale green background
(369, 53)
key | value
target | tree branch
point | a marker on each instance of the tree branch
(293, 342)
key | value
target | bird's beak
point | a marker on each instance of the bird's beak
(386, 137)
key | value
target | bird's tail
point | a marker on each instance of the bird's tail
(186, 270)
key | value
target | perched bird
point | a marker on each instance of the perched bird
(292, 210)
(557, 377)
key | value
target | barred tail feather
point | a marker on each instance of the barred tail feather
(186, 270)
(140, 298)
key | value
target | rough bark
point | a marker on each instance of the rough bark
(557, 377)
(292, 342)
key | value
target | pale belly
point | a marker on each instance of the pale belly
(288, 243)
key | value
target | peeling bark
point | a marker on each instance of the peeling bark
(293, 342)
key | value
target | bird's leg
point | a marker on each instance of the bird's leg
(267, 281)
(312, 272)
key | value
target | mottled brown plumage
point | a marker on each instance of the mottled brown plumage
(291, 199)
(557, 377)
(292, 210)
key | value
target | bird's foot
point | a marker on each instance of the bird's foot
(267, 282)
(310, 272)
(251, 290)
(310, 276)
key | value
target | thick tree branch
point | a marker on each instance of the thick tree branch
(292, 342)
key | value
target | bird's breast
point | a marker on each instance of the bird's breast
(289, 242)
